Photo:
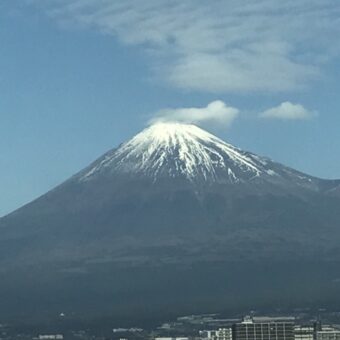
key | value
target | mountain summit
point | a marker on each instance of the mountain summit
(174, 220)
(185, 151)
(180, 150)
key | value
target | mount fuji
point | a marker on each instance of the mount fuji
(174, 220)
(173, 150)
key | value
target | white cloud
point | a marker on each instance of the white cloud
(217, 113)
(218, 46)
(288, 111)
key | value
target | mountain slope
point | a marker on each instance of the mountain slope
(174, 204)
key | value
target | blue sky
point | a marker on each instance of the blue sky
(79, 77)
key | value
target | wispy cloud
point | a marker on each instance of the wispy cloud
(288, 111)
(216, 113)
(218, 46)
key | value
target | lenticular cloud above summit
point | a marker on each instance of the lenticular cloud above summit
(217, 112)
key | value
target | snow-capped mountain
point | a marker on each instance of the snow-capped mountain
(173, 217)
(175, 150)
(180, 150)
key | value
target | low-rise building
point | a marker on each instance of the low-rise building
(330, 334)
(304, 332)
(219, 334)
(50, 337)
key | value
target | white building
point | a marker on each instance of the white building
(220, 334)
(304, 333)
(330, 334)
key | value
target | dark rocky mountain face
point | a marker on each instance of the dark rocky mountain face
(175, 220)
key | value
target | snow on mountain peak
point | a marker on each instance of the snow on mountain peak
(180, 150)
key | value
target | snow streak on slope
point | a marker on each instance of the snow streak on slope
(181, 150)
